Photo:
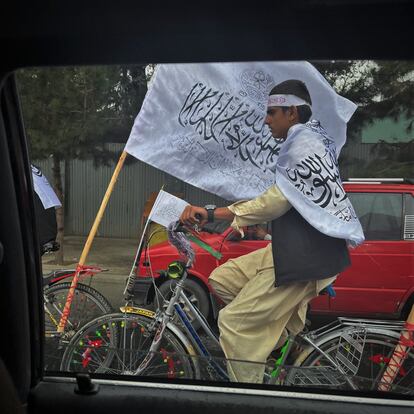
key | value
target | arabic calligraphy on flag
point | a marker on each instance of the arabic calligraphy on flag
(44, 190)
(233, 124)
(167, 208)
(204, 123)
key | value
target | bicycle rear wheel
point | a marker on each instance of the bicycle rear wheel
(118, 343)
(87, 304)
(377, 351)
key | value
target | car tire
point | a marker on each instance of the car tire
(195, 293)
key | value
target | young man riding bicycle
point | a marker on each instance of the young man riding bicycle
(267, 291)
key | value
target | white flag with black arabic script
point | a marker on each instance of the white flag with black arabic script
(204, 123)
(167, 208)
(44, 190)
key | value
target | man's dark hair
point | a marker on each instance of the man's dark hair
(299, 89)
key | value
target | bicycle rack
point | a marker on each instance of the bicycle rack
(350, 349)
(345, 362)
(315, 376)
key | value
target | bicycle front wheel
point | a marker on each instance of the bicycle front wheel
(119, 343)
(376, 353)
(87, 304)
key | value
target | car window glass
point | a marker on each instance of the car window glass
(379, 214)
(408, 217)
(78, 120)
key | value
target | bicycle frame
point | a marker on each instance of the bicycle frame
(165, 317)
(58, 275)
(173, 308)
(195, 338)
(345, 329)
(287, 346)
(310, 338)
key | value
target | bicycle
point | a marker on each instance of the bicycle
(348, 354)
(87, 304)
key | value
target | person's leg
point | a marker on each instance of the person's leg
(251, 325)
(229, 279)
(298, 319)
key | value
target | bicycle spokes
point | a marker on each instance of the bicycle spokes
(125, 345)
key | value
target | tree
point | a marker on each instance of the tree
(381, 89)
(392, 159)
(72, 112)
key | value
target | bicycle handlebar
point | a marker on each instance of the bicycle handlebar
(178, 237)
(181, 241)
(180, 228)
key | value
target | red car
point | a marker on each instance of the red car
(379, 284)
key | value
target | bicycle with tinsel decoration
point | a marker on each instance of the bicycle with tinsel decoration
(349, 354)
(87, 304)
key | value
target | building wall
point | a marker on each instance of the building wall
(85, 186)
(353, 157)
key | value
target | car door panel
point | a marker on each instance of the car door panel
(380, 275)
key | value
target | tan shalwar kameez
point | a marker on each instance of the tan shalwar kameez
(257, 313)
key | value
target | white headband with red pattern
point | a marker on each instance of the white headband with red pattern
(285, 100)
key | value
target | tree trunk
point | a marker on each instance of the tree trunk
(60, 213)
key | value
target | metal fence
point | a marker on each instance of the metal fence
(85, 186)
(354, 157)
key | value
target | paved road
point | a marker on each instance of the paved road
(111, 286)
(116, 255)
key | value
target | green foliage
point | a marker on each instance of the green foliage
(72, 112)
(381, 89)
(392, 160)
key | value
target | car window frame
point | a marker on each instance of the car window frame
(26, 50)
(401, 235)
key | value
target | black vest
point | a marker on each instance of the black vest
(302, 253)
(46, 222)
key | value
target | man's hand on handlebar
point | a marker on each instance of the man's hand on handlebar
(193, 215)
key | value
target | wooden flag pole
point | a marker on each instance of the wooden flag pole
(88, 244)
(405, 343)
